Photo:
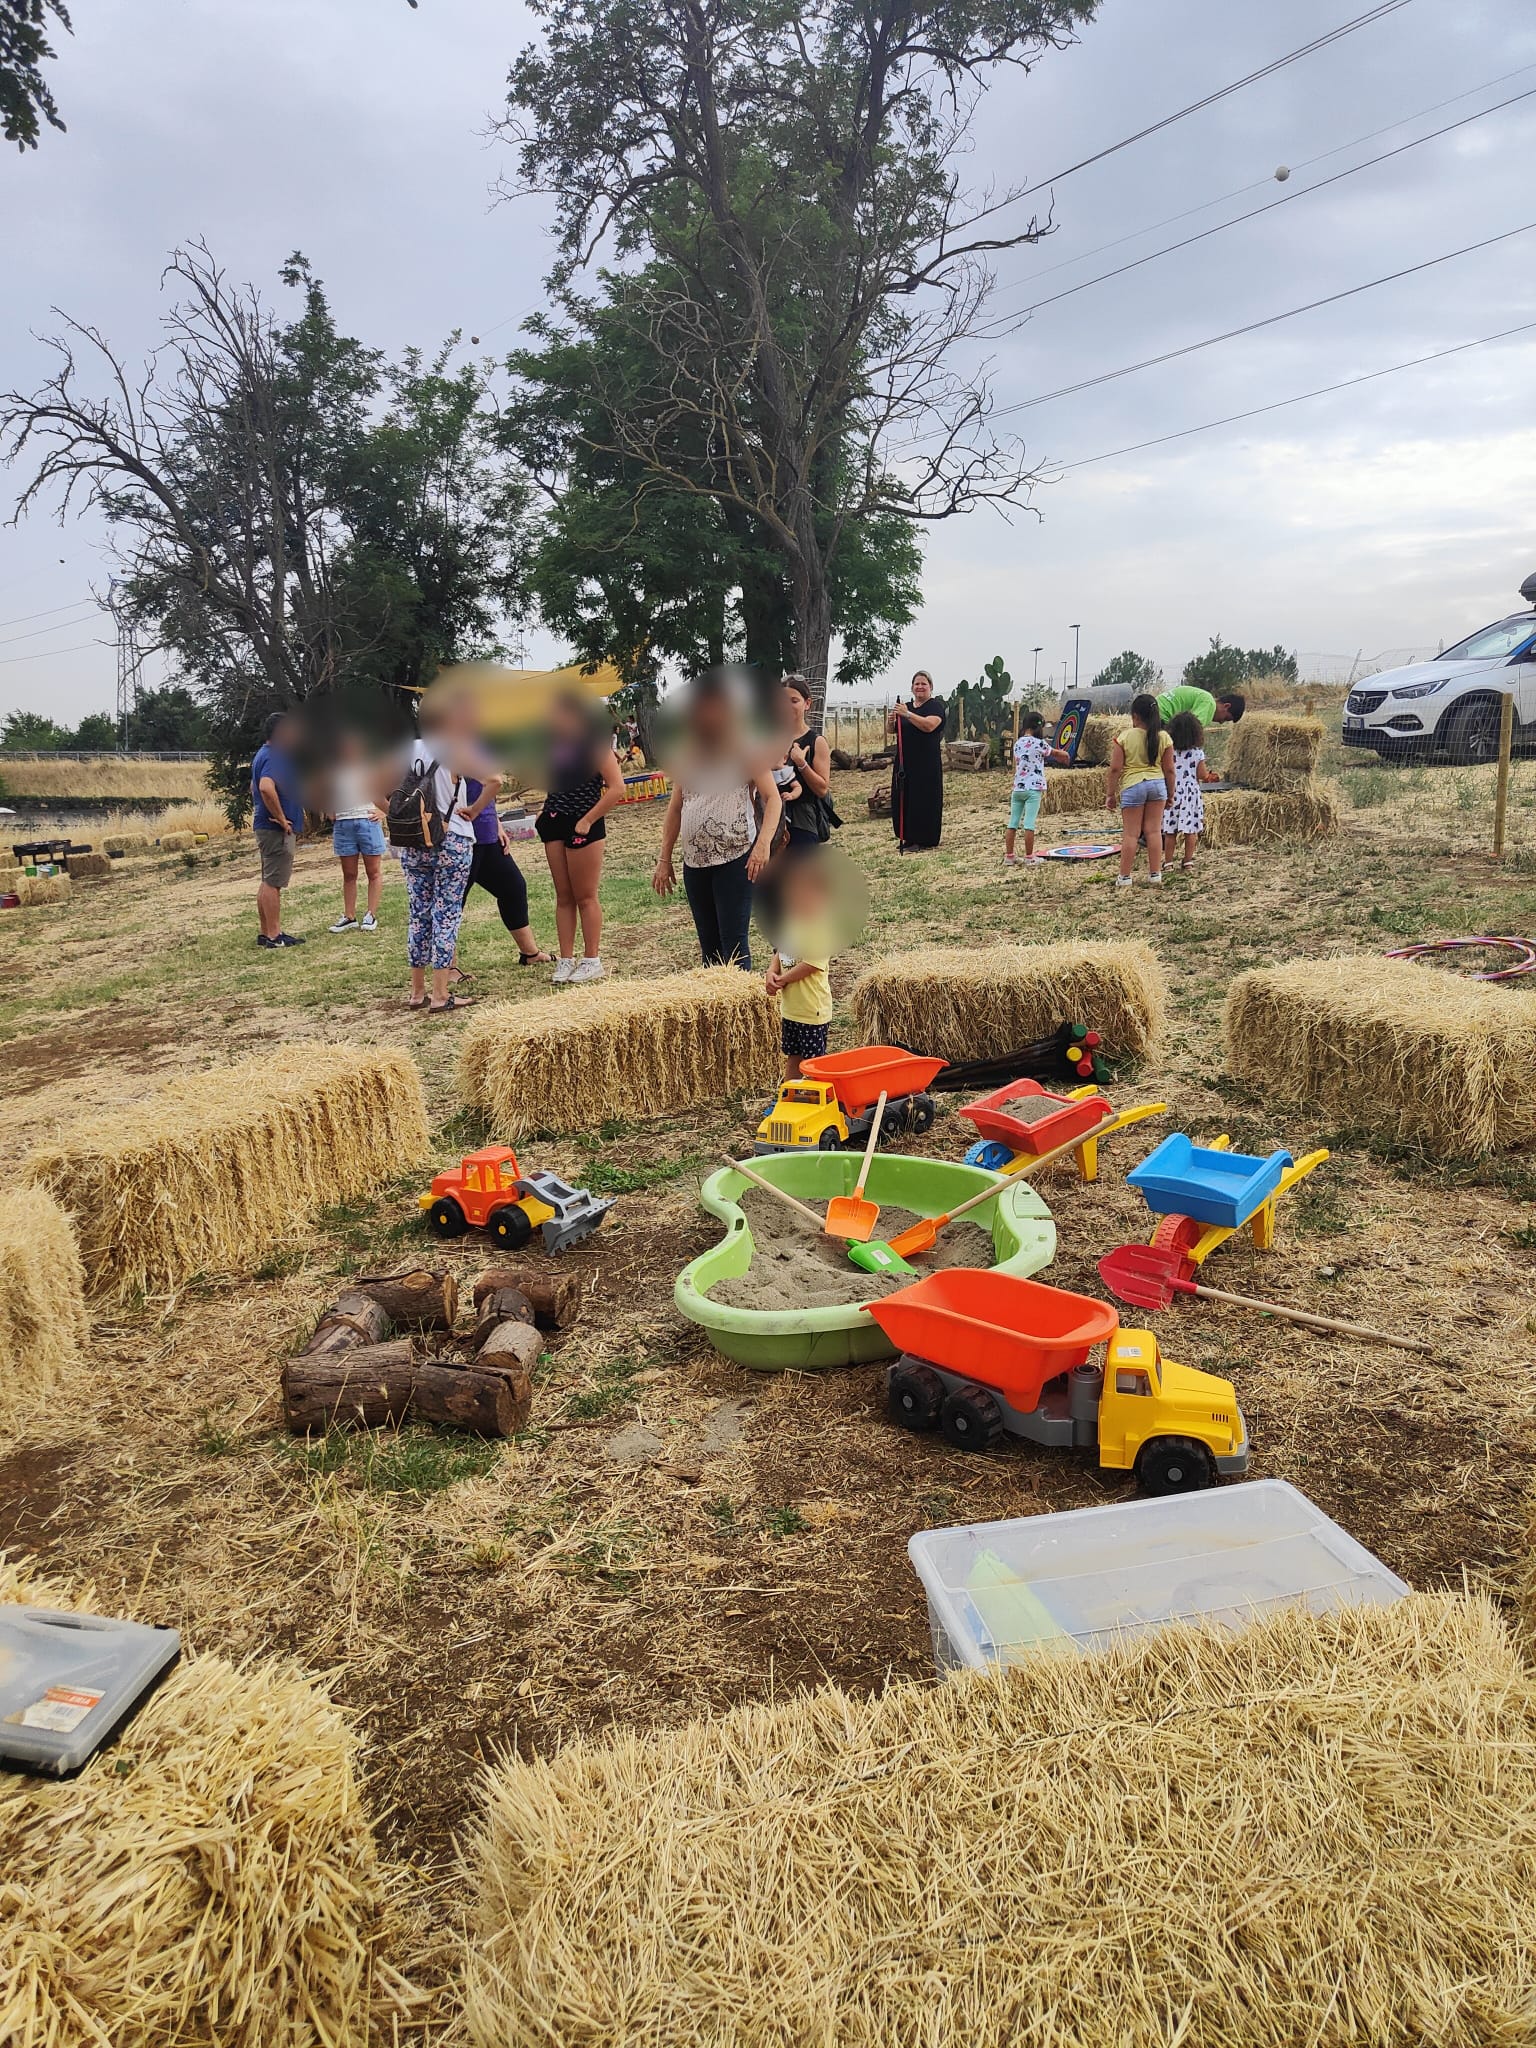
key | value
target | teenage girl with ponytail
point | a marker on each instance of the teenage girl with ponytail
(1141, 787)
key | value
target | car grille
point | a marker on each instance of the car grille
(1361, 701)
(780, 1132)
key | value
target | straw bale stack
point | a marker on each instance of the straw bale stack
(42, 1303)
(1254, 817)
(177, 842)
(89, 867)
(1418, 1053)
(1314, 1831)
(1099, 729)
(126, 842)
(965, 1002)
(203, 1173)
(620, 1048)
(1072, 792)
(34, 890)
(1267, 751)
(209, 1881)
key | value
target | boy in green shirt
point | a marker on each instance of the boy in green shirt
(1226, 709)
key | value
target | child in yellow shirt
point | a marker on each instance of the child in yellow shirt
(798, 974)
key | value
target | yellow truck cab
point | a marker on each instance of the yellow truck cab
(807, 1115)
(1174, 1411)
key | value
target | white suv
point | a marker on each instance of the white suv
(1451, 705)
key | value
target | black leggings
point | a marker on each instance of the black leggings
(500, 876)
(721, 901)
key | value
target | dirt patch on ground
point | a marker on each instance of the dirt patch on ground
(792, 1267)
(129, 1040)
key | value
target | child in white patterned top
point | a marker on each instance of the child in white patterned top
(1031, 752)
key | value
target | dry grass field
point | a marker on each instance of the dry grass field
(64, 781)
(670, 1533)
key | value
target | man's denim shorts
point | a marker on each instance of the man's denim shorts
(357, 835)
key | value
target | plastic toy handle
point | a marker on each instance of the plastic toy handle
(1297, 1315)
(758, 1181)
(869, 1149)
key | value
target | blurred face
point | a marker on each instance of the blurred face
(711, 720)
(565, 721)
(794, 709)
(922, 688)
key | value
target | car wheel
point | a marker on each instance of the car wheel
(510, 1227)
(914, 1394)
(971, 1419)
(445, 1218)
(1174, 1464)
(1472, 734)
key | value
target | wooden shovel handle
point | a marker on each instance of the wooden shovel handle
(1297, 1315)
(869, 1149)
(758, 1181)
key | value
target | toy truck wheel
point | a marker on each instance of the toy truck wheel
(1174, 1464)
(829, 1141)
(510, 1227)
(445, 1218)
(971, 1419)
(924, 1110)
(914, 1394)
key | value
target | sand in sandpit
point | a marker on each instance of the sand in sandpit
(792, 1267)
(1032, 1109)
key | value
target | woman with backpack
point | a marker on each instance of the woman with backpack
(432, 823)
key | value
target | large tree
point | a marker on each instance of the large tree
(817, 273)
(26, 100)
(292, 516)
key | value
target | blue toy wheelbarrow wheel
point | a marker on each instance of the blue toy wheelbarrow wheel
(990, 1153)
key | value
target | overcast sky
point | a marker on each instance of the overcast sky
(1388, 518)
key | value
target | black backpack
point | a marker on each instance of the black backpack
(412, 814)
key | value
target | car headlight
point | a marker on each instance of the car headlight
(1422, 689)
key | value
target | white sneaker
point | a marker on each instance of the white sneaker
(1155, 880)
(345, 924)
(1010, 860)
(564, 969)
(591, 969)
(370, 922)
(1123, 881)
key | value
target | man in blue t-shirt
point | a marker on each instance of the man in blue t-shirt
(277, 812)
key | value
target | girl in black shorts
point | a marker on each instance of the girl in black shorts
(585, 782)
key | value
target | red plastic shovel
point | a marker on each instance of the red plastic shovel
(1147, 1276)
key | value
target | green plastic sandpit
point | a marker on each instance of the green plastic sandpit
(802, 1340)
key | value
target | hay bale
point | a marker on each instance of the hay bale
(1099, 729)
(967, 1002)
(1070, 792)
(1259, 817)
(1315, 1830)
(204, 1172)
(42, 1303)
(1416, 1052)
(89, 867)
(620, 1048)
(120, 843)
(1267, 751)
(34, 890)
(176, 842)
(210, 1881)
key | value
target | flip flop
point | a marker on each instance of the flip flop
(418, 1002)
(442, 1009)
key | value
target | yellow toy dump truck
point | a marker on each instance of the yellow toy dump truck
(832, 1104)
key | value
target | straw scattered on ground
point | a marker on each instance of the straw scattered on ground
(42, 1303)
(210, 1879)
(1318, 1831)
(620, 1048)
(1257, 817)
(1391, 1046)
(1271, 752)
(207, 1171)
(961, 1002)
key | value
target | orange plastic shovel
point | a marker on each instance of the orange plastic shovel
(850, 1215)
(922, 1235)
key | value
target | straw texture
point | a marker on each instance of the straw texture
(88, 867)
(1391, 1046)
(620, 1048)
(177, 842)
(1267, 751)
(34, 890)
(1255, 817)
(203, 1174)
(1099, 729)
(1312, 1832)
(210, 1881)
(964, 1002)
(126, 842)
(1071, 792)
(42, 1303)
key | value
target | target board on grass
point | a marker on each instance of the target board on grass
(1079, 850)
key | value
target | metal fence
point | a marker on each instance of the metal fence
(79, 754)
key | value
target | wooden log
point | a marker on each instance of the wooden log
(510, 1344)
(353, 1319)
(556, 1297)
(415, 1299)
(369, 1385)
(506, 1305)
(462, 1397)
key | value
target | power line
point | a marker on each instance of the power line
(1271, 320)
(48, 653)
(1288, 199)
(79, 605)
(1322, 391)
(1257, 185)
(37, 632)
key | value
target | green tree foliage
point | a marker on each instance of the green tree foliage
(1228, 668)
(807, 270)
(95, 734)
(168, 720)
(1131, 671)
(25, 98)
(30, 732)
(294, 517)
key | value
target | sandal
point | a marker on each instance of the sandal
(534, 959)
(459, 976)
(442, 1009)
(418, 1003)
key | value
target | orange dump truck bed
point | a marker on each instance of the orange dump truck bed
(1008, 1333)
(859, 1076)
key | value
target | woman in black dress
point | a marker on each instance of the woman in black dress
(917, 782)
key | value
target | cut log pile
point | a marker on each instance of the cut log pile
(387, 1351)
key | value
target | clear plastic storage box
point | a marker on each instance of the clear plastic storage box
(1099, 1576)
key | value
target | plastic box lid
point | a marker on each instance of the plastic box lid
(1097, 1576)
(69, 1681)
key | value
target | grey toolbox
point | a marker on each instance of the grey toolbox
(69, 1681)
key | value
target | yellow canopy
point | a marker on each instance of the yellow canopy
(510, 697)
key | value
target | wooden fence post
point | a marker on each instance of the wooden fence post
(1501, 787)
